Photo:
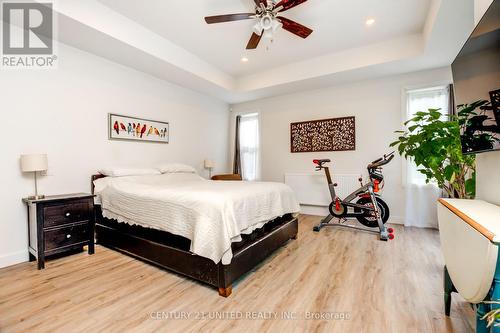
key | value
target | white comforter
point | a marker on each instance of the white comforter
(212, 214)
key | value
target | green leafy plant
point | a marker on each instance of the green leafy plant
(492, 316)
(432, 141)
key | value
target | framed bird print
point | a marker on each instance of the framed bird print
(137, 129)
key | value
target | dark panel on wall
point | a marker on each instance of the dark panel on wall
(336, 134)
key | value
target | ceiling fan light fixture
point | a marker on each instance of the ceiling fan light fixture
(268, 34)
(276, 24)
(267, 26)
(257, 28)
(268, 19)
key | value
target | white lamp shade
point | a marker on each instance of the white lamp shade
(34, 162)
(209, 164)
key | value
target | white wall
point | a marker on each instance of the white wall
(377, 106)
(480, 7)
(488, 175)
(63, 113)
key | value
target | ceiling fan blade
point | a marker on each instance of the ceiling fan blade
(288, 4)
(228, 18)
(294, 27)
(254, 41)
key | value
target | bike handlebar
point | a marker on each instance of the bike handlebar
(381, 161)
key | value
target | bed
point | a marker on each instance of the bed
(211, 231)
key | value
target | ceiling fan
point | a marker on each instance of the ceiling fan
(268, 20)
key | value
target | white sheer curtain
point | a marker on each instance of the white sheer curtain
(249, 146)
(421, 198)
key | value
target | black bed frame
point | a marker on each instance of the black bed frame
(172, 252)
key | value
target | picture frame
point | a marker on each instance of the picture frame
(128, 128)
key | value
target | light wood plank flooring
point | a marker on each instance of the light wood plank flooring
(382, 287)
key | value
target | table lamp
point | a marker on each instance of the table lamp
(34, 163)
(209, 164)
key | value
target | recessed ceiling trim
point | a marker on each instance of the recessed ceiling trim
(398, 49)
(101, 18)
(105, 32)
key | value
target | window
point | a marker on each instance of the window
(249, 146)
(422, 100)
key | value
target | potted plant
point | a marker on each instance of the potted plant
(433, 142)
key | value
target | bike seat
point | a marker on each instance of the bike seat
(320, 162)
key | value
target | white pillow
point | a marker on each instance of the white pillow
(176, 168)
(120, 172)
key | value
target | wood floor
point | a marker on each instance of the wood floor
(375, 286)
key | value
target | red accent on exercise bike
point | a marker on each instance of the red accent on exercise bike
(316, 161)
(391, 236)
(337, 204)
(390, 230)
(376, 187)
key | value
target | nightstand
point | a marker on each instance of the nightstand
(59, 224)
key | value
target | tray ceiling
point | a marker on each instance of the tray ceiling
(170, 40)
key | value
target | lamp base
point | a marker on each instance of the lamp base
(36, 197)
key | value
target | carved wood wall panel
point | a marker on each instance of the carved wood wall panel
(335, 134)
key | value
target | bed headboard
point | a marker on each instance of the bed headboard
(95, 177)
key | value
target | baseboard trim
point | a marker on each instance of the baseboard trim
(396, 220)
(13, 258)
(314, 210)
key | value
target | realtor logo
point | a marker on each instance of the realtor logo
(27, 34)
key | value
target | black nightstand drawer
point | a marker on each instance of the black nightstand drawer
(66, 236)
(66, 213)
(59, 224)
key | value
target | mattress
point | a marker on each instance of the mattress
(211, 214)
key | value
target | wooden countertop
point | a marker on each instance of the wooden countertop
(481, 215)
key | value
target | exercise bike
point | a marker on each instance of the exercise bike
(369, 214)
